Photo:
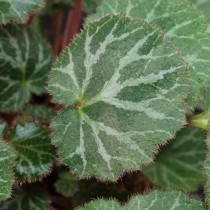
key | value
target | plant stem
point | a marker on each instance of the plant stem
(72, 24)
(58, 18)
(200, 120)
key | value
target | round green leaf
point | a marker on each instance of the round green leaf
(152, 201)
(34, 149)
(184, 26)
(126, 86)
(24, 63)
(180, 163)
(18, 9)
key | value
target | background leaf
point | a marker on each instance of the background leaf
(180, 163)
(23, 200)
(127, 85)
(18, 10)
(207, 171)
(25, 60)
(7, 161)
(152, 201)
(183, 25)
(35, 151)
(39, 112)
(203, 5)
(67, 184)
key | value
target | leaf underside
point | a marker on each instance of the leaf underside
(184, 26)
(179, 164)
(25, 60)
(127, 87)
(35, 151)
(18, 10)
(7, 160)
(152, 201)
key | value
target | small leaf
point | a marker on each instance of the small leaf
(180, 163)
(67, 184)
(18, 10)
(25, 60)
(152, 201)
(26, 201)
(184, 26)
(127, 86)
(7, 160)
(204, 5)
(39, 112)
(35, 152)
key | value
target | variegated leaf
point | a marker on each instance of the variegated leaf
(126, 86)
(180, 163)
(18, 10)
(7, 160)
(184, 26)
(152, 201)
(23, 200)
(34, 149)
(24, 63)
(203, 5)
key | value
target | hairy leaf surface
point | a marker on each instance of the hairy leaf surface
(7, 160)
(126, 86)
(152, 201)
(22, 200)
(184, 26)
(24, 63)
(35, 151)
(18, 10)
(180, 163)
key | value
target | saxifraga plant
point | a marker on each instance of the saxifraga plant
(100, 96)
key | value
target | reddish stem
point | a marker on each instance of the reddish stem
(67, 29)
(58, 18)
(73, 23)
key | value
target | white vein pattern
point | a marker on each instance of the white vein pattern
(21, 200)
(134, 144)
(185, 33)
(6, 163)
(152, 201)
(32, 140)
(18, 9)
(179, 165)
(18, 46)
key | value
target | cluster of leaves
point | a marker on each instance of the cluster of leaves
(129, 86)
